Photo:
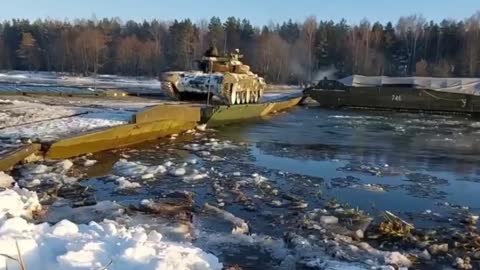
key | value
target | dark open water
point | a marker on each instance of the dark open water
(415, 165)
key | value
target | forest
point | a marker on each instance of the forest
(289, 52)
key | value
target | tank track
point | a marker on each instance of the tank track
(168, 89)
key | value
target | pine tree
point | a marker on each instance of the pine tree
(28, 52)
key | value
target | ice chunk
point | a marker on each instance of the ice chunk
(398, 259)
(18, 202)
(196, 176)
(328, 220)
(37, 169)
(148, 176)
(133, 169)
(64, 228)
(64, 165)
(123, 183)
(192, 161)
(89, 163)
(6, 180)
(178, 172)
(85, 214)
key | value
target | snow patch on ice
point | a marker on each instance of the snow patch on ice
(37, 174)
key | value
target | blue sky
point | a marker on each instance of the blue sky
(258, 11)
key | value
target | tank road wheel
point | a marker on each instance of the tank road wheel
(254, 97)
(239, 98)
(233, 97)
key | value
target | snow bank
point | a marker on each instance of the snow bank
(17, 202)
(67, 245)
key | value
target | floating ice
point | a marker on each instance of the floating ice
(202, 127)
(195, 176)
(36, 174)
(136, 169)
(328, 220)
(89, 163)
(101, 210)
(6, 180)
(123, 183)
(178, 172)
(192, 161)
(64, 165)
(147, 176)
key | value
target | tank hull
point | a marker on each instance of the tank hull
(229, 88)
(411, 99)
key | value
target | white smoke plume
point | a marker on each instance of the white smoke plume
(328, 72)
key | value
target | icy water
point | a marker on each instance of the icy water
(420, 166)
(419, 159)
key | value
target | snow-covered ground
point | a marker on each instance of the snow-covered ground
(21, 119)
(103, 245)
(58, 83)
(14, 112)
(24, 81)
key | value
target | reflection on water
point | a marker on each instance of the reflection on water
(406, 152)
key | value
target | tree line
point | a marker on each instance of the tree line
(288, 52)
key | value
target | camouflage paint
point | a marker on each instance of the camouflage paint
(229, 80)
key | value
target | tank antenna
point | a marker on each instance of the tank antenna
(225, 43)
(210, 65)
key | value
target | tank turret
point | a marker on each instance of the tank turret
(225, 77)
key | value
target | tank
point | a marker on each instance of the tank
(226, 78)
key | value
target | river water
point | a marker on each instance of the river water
(422, 167)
